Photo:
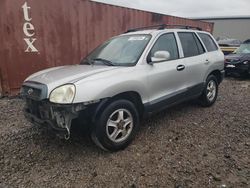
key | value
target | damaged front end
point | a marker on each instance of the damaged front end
(40, 110)
(58, 117)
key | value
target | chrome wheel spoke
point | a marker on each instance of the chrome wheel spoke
(210, 94)
(127, 122)
(112, 123)
(121, 115)
(115, 133)
(210, 88)
(211, 85)
(124, 133)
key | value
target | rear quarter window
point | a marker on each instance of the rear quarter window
(208, 42)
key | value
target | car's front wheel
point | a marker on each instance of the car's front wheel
(116, 126)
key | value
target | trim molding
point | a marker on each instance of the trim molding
(174, 98)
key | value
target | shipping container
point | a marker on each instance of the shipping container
(39, 34)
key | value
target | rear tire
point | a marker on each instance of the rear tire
(116, 126)
(210, 92)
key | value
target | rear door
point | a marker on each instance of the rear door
(195, 60)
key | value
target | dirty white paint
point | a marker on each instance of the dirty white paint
(28, 30)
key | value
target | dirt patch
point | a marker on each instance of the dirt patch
(185, 146)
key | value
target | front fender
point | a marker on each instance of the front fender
(93, 89)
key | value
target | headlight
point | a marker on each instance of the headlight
(245, 62)
(64, 94)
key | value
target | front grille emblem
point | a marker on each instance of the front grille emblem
(30, 91)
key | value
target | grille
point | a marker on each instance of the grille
(30, 92)
(38, 108)
(35, 91)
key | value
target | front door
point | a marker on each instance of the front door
(166, 79)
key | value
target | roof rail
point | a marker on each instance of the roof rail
(163, 26)
(183, 27)
(146, 27)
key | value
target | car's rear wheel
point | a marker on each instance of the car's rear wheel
(210, 91)
(116, 126)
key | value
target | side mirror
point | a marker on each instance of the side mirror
(160, 56)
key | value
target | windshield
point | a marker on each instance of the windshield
(243, 49)
(119, 51)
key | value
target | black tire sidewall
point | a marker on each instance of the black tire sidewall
(100, 125)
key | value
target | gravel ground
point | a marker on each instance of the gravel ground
(185, 146)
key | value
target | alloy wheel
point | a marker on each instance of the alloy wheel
(119, 125)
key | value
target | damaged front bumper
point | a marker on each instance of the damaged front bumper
(57, 116)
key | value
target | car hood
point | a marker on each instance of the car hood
(237, 58)
(229, 43)
(54, 77)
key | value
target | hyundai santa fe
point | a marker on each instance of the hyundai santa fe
(128, 77)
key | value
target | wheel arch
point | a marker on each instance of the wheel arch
(131, 96)
(217, 74)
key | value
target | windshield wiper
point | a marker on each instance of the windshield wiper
(105, 61)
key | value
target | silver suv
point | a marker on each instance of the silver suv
(125, 79)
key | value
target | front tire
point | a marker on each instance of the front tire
(210, 92)
(116, 126)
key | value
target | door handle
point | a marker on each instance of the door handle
(207, 62)
(180, 67)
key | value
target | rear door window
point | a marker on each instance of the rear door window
(208, 42)
(199, 45)
(190, 44)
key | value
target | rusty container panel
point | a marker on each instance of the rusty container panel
(40, 34)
